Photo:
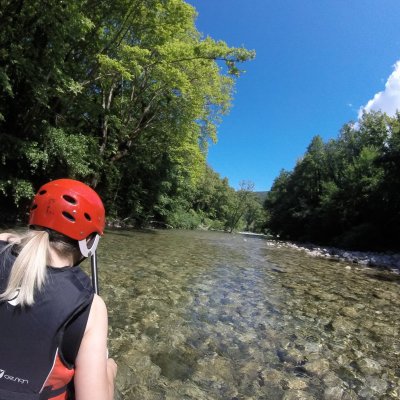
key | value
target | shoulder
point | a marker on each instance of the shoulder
(98, 306)
(66, 290)
(98, 315)
(81, 279)
(73, 282)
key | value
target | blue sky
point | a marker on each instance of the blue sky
(318, 63)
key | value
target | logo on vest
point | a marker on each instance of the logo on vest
(3, 375)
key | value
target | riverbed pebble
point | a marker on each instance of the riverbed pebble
(343, 325)
(318, 367)
(297, 384)
(368, 366)
(311, 347)
(332, 380)
(374, 388)
(333, 393)
(349, 311)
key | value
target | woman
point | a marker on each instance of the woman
(53, 328)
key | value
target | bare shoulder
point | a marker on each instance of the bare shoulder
(98, 313)
(99, 304)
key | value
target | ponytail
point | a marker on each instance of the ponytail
(28, 274)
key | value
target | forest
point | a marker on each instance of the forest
(127, 97)
(344, 192)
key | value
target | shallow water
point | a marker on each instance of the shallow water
(205, 315)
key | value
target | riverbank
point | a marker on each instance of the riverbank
(387, 260)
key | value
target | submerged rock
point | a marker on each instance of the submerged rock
(333, 393)
(368, 366)
(343, 325)
(317, 367)
(297, 384)
(373, 389)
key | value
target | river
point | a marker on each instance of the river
(207, 315)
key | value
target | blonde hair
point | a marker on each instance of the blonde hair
(29, 271)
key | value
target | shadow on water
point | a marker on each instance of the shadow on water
(205, 315)
(386, 277)
(175, 364)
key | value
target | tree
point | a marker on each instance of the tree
(239, 203)
(279, 203)
(85, 85)
(254, 216)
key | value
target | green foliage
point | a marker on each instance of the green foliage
(18, 189)
(69, 154)
(343, 192)
(244, 209)
(184, 219)
(254, 216)
(125, 95)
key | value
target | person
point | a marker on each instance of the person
(53, 327)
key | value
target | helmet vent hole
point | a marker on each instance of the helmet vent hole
(87, 216)
(68, 216)
(43, 192)
(34, 207)
(69, 199)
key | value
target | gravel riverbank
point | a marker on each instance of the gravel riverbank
(382, 260)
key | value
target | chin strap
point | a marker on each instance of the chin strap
(91, 252)
(88, 251)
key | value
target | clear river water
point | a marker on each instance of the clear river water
(207, 315)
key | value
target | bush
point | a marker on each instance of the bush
(184, 219)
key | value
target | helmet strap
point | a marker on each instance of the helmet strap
(88, 251)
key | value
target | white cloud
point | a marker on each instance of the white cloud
(387, 100)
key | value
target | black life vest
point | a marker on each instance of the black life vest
(32, 366)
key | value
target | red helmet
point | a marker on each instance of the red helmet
(69, 207)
